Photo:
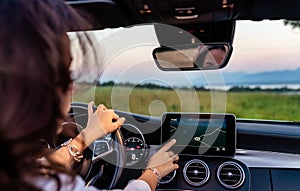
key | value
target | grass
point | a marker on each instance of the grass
(253, 105)
(261, 105)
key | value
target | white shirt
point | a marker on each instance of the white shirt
(49, 184)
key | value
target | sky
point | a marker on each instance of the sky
(257, 47)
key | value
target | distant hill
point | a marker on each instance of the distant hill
(283, 77)
(275, 77)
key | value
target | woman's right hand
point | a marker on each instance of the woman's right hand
(164, 160)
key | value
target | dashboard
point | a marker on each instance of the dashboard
(248, 168)
(207, 159)
(255, 164)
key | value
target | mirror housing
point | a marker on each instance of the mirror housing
(207, 56)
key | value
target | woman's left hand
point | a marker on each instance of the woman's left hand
(100, 123)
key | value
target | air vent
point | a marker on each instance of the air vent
(168, 178)
(196, 172)
(231, 175)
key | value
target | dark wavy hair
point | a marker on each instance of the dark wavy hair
(32, 69)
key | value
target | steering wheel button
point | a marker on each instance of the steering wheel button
(100, 147)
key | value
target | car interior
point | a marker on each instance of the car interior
(155, 48)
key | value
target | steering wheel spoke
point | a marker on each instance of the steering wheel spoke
(101, 149)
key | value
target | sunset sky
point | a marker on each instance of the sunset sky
(258, 46)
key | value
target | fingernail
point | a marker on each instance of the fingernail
(122, 119)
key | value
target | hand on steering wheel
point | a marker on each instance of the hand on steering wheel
(101, 122)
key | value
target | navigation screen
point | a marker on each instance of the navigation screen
(207, 134)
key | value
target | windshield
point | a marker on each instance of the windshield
(261, 80)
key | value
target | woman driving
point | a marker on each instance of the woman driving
(35, 90)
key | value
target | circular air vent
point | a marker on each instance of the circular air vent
(231, 175)
(168, 178)
(196, 172)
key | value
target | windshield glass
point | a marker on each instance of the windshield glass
(261, 80)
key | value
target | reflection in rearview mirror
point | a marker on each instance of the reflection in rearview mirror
(194, 57)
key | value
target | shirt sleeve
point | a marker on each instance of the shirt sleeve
(78, 184)
(137, 185)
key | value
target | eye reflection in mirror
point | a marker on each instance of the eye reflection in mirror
(194, 57)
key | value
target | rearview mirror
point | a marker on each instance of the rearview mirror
(206, 56)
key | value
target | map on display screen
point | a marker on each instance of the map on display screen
(200, 133)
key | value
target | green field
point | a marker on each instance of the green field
(253, 105)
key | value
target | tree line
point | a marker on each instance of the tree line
(199, 88)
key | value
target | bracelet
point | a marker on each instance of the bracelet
(73, 150)
(155, 171)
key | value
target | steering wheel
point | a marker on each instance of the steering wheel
(104, 160)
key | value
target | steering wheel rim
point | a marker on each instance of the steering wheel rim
(80, 110)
